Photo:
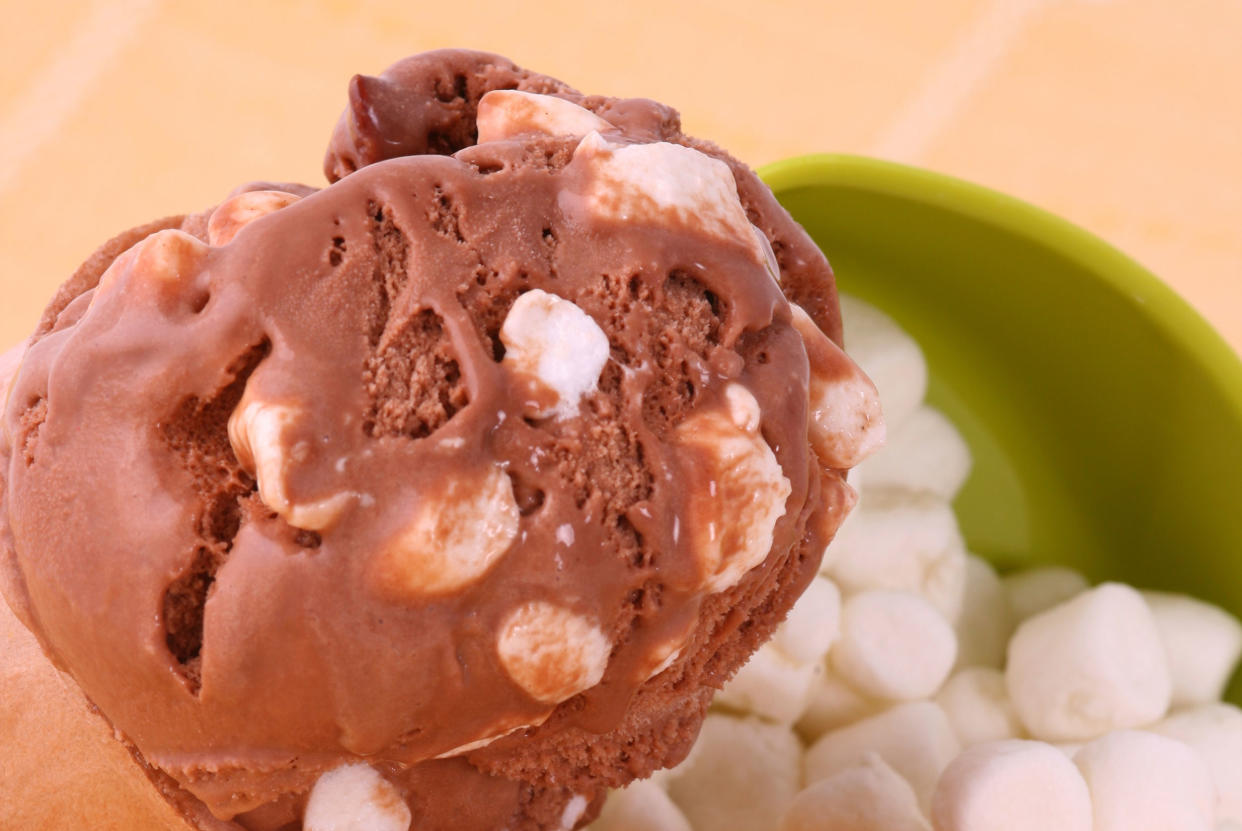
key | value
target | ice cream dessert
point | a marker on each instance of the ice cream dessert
(442, 497)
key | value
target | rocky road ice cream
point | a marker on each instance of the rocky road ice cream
(447, 495)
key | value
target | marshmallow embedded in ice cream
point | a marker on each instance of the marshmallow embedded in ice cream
(262, 437)
(506, 113)
(158, 268)
(552, 652)
(868, 796)
(846, 422)
(453, 538)
(1140, 781)
(1012, 785)
(1092, 664)
(239, 211)
(553, 341)
(893, 645)
(662, 183)
(355, 798)
(736, 491)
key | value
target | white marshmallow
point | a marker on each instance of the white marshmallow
(889, 356)
(737, 491)
(640, 805)
(1203, 643)
(893, 645)
(355, 798)
(901, 542)
(1011, 786)
(453, 538)
(742, 775)
(1090, 665)
(813, 624)
(926, 455)
(1140, 781)
(1035, 590)
(769, 685)
(662, 183)
(551, 339)
(977, 705)
(505, 113)
(915, 739)
(984, 626)
(1214, 731)
(846, 424)
(868, 796)
(551, 652)
(833, 703)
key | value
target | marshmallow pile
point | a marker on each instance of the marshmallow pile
(914, 688)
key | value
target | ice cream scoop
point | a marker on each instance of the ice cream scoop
(465, 480)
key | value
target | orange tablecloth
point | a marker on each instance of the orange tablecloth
(1124, 116)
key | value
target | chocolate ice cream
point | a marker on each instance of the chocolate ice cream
(453, 489)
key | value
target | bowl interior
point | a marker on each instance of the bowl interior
(1104, 415)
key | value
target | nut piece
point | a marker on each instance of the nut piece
(355, 798)
(454, 538)
(259, 432)
(846, 423)
(660, 183)
(234, 214)
(736, 493)
(551, 652)
(554, 341)
(505, 113)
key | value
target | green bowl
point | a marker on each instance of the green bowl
(1104, 415)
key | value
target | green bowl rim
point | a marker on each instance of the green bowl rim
(1150, 296)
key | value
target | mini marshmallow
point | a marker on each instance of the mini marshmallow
(813, 624)
(833, 703)
(1203, 643)
(915, 739)
(660, 182)
(742, 775)
(868, 796)
(927, 455)
(770, 686)
(355, 798)
(1011, 786)
(977, 705)
(1035, 590)
(736, 494)
(1090, 665)
(846, 424)
(901, 542)
(1140, 781)
(1214, 731)
(453, 538)
(260, 433)
(551, 652)
(983, 627)
(234, 214)
(888, 355)
(505, 113)
(640, 805)
(552, 340)
(893, 645)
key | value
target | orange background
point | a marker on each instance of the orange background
(1124, 116)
